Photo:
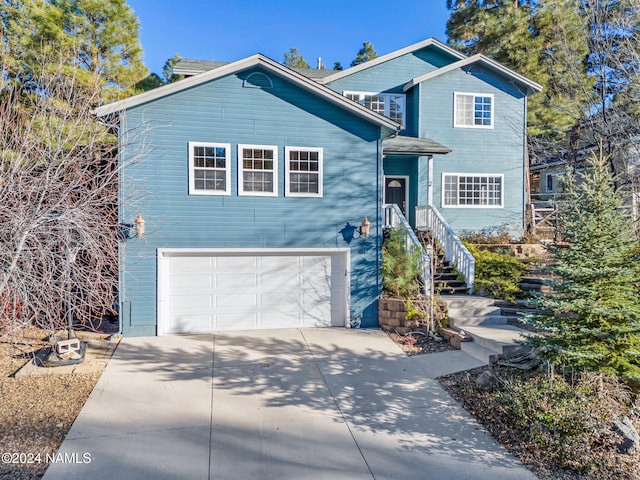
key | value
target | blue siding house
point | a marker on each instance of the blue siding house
(262, 188)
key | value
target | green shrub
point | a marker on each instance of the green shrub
(400, 269)
(568, 420)
(498, 273)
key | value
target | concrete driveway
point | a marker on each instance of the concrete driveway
(279, 404)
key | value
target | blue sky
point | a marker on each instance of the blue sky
(335, 30)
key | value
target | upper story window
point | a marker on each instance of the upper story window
(257, 170)
(391, 105)
(209, 168)
(472, 190)
(473, 110)
(303, 170)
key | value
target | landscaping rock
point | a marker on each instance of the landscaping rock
(487, 380)
(631, 440)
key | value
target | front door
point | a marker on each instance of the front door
(395, 191)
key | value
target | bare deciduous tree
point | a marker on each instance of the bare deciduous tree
(58, 206)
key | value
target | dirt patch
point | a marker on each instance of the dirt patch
(418, 343)
(36, 411)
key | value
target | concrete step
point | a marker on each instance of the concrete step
(474, 311)
(447, 277)
(536, 279)
(465, 301)
(462, 322)
(498, 338)
(449, 290)
(535, 287)
(478, 352)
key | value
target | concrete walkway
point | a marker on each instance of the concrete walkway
(279, 404)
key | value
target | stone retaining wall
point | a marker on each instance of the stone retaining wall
(392, 313)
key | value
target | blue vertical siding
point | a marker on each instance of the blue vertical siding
(156, 184)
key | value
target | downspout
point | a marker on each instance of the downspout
(430, 180)
(121, 244)
(525, 154)
(379, 193)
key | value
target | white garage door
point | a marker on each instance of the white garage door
(209, 290)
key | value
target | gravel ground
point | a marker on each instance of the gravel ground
(36, 412)
(610, 464)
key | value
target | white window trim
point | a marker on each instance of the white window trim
(455, 109)
(387, 104)
(192, 180)
(287, 179)
(241, 191)
(452, 174)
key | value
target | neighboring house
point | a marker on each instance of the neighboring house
(253, 180)
(546, 176)
(546, 180)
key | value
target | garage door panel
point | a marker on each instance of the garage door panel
(252, 290)
(237, 302)
(190, 282)
(280, 285)
(289, 300)
(190, 265)
(191, 303)
(190, 323)
(236, 264)
(278, 320)
(230, 283)
(236, 321)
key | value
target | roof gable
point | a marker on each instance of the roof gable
(189, 67)
(531, 87)
(388, 126)
(431, 42)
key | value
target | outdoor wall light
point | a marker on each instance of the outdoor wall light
(364, 227)
(139, 226)
(128, 231)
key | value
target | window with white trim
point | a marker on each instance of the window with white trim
(209, 168)
(303, 171)
(391, 105)
(257, 170)
(473, 110)
(472, 190)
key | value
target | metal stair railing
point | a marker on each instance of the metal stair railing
(393, 217)
(428, 218)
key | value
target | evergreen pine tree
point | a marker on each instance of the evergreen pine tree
(366, 53)
(400, 268)
(293, 59)
(545, 40)
(595, 319)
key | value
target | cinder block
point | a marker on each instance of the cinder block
(394, 322)
(66, 346)
(396, 305)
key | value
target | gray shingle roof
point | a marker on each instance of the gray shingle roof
(190, 67)
(404, 145)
